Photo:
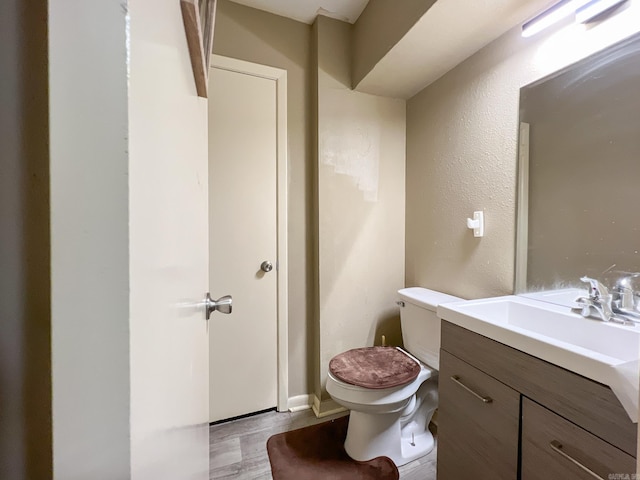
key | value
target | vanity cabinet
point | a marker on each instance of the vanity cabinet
(506, 415)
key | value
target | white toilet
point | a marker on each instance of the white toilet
(393, 421)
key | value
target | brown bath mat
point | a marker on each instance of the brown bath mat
(317, 452)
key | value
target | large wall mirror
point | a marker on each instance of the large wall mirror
(579, 187)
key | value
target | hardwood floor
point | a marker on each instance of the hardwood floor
(238, 448)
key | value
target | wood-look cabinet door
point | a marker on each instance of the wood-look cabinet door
(478, 424)
(553, 447)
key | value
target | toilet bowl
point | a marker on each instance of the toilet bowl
(394, 421)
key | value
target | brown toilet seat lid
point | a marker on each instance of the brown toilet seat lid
(374, 367)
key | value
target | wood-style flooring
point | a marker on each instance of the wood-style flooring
(238, 449)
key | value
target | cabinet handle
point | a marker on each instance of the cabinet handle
(556, 446)
(456, 379)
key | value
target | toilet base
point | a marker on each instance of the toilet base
(374, 435)
(416, 447)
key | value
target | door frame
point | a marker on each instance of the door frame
(280, 77)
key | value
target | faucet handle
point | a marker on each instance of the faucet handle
(626, 293)
(583, 306)
(596, 289)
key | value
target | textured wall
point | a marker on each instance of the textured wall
(361, 153)
(462, 134)
(260, 37)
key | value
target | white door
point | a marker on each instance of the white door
(129, 246)
(168, 252)
(242, 237)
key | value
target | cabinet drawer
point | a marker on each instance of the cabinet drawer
(553, 447)
(478, 424)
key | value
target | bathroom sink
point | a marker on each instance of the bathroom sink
(605, 352)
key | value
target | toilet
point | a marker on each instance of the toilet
(392, 393)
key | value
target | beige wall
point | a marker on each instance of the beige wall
(461, 156)
(361, 153)
(256, 36)
(381, 25)
(260, 37)
(25, 344)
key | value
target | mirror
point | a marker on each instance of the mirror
(579, 178)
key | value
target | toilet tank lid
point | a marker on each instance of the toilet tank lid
(425, 298)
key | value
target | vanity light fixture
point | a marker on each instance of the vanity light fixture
(593, 9)
(584, 11)
(551, 16)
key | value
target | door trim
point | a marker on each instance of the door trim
(280, 77)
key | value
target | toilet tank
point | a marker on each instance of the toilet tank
(420, 325)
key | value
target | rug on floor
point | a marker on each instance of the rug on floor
(317, 452)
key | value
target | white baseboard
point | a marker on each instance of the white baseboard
(326, 407)
(299, 403)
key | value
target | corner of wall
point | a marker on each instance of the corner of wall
(374, 34)
(315, 297)
(360, 161)
(324, 408)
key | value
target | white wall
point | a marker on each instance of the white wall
(462, 134)
(361, 153)
(89, 239)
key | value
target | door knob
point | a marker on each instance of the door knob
(222, 305)
(266, 266)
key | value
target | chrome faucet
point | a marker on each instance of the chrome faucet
(607, 307)
(625, 298)
(598, 301)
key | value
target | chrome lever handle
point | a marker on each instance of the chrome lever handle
(222, 305)
(583, 306)
(456, 379)
(556, 446)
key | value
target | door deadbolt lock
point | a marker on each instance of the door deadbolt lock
(266, 266)
(222, 305)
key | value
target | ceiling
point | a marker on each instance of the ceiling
(453, 30)
(306, 10)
